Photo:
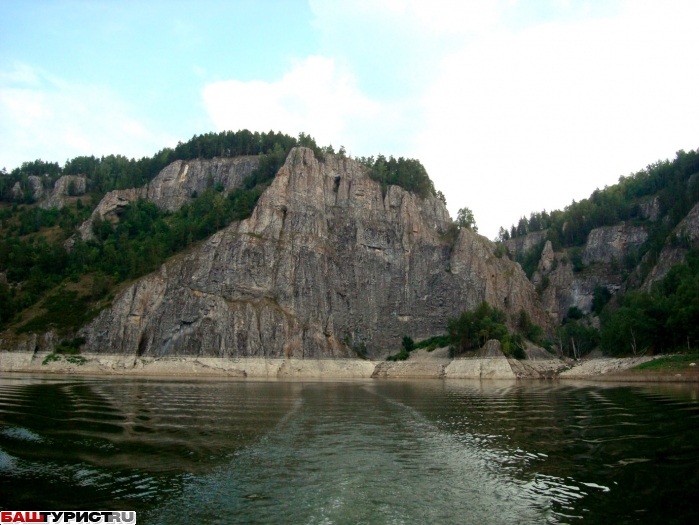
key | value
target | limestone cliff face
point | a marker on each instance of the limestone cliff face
(109, 209)
(612, 243)
(174, 186)
(325, 259)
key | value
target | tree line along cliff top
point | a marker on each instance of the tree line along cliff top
(34, 258)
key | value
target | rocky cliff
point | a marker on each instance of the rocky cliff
(326, 262)
(611, 244)
(603, 256)
(175, 186)
(66, 186)
(562, 288)
(34, 184)
(683, 237)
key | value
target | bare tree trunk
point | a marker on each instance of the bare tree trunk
(633, 342)
(575, 352)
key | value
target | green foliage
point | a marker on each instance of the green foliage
(600, 297)
(409, 174)
(528, 329)
(66, 311)
(430, 344)
(530, 260)
(144, 237)
(545, 282)
(115, 172)
(576, 338)
(408, 345)
(472, 329)
(72, 359)
(50, 358)
(663, 320)
(70, 346)
(513, 346)
(574, 313)
(400, 356)
(451, 235)
(465, 219)
(672, 362)
(500, 250)
(576, 259)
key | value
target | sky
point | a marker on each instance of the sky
(513, 106)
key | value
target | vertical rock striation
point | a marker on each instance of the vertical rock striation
(326, 261)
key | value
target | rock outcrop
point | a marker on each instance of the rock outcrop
(651, 210)
(109, 209)
(35, 185)
(65, 186)
(524, 243)
(178, 182)
(613, 243)
(685, 236)
(566, 288)
(326, 261)
(175, 186)
(562, 288)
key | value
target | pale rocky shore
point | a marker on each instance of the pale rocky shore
(435, 365)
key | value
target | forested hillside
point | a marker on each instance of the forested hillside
(609, 270)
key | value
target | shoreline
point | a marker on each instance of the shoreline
(600, 369)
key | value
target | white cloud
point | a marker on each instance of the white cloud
(316, 97)
(518, 122)
(42, 116)
(519, 106)
(512, 106)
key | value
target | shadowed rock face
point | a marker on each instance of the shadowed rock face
(324, 259)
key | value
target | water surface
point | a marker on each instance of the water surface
(351, 452)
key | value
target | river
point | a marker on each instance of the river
(370, 451)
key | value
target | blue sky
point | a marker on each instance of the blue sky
(512, 105)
